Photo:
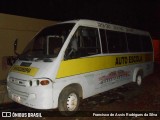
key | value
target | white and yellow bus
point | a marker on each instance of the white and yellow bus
(78, 59)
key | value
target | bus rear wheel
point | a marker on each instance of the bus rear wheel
(139, 79)
(68, 101)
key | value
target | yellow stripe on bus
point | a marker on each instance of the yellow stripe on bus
(31, 71)
(90, 64)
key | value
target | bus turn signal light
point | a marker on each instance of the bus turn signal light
(44, 82)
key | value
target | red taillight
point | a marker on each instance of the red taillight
(44, 82)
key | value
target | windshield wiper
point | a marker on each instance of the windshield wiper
(26, 57)
(47, 60)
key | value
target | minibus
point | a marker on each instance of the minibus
(77, 59)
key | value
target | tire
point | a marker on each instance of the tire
(139, 79)
(68, 102)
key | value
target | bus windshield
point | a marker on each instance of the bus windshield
(48, 42)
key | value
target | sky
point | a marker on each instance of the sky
(140, 14)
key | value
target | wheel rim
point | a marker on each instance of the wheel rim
(72, 102)
(139, 80)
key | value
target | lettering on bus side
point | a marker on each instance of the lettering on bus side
(135, 59)
(113, 27)
(104, 25)
(113, 76)
(121, 60)
(128, 60)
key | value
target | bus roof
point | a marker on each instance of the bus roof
(107, 26)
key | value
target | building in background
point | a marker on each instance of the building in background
(11, 28)
(16, 27)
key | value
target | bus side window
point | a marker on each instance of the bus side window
(146, 44)
(116, 42)
(85, 42)
(134, 43)
(103, 40)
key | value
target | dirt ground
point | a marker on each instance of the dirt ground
(127, 98)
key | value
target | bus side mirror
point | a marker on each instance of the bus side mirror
(15, 46)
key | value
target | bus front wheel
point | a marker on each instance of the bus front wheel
(68, 101)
